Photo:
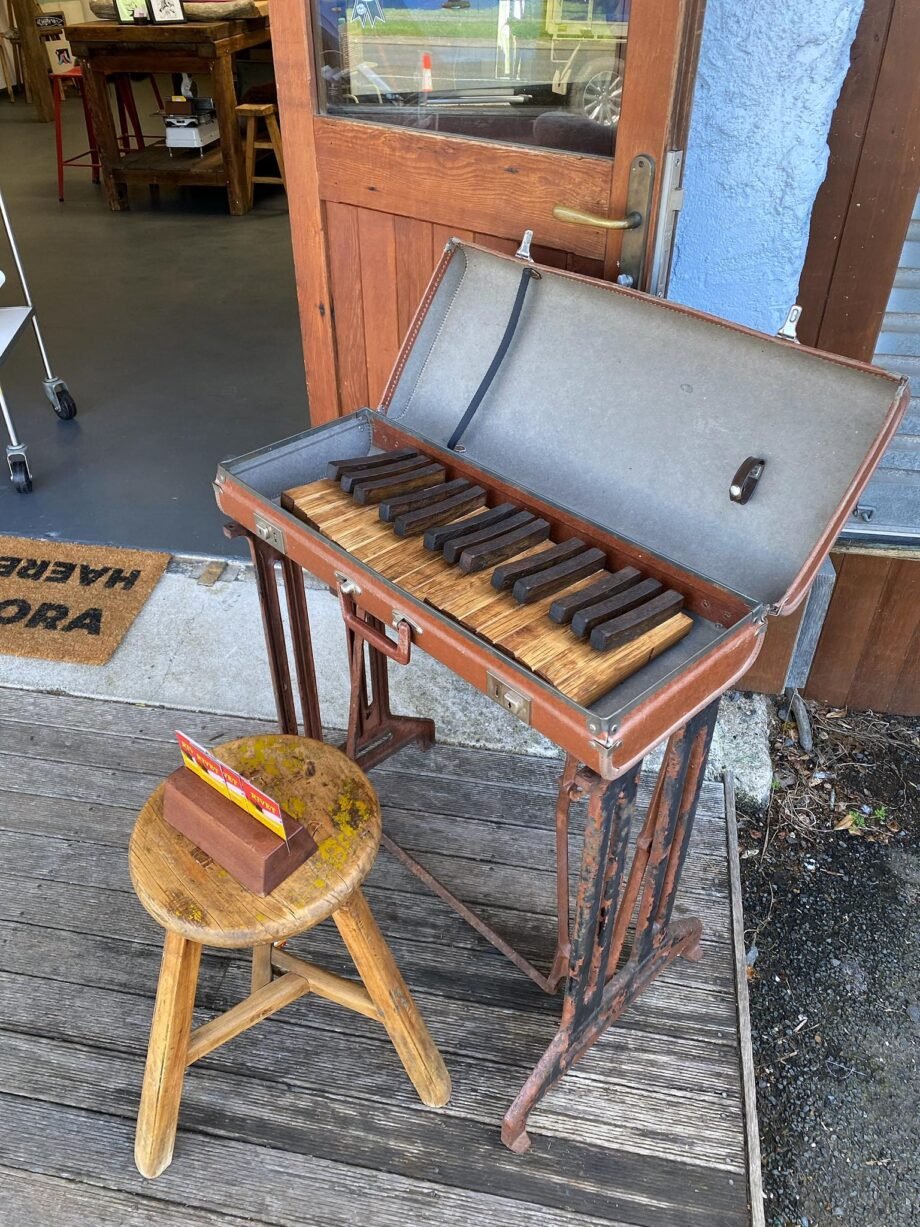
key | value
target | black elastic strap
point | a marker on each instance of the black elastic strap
(527, 276)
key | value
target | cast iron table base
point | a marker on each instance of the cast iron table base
(603, 971)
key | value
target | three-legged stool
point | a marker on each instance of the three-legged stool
(198, 903)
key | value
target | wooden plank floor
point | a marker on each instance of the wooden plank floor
(308, 1119)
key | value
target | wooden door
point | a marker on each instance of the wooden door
(390, 149)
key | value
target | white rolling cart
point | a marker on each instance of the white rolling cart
(13, 323)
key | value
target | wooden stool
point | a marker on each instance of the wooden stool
(199, 904)
(253, 112)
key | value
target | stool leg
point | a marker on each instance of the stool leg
(399, 1013)
(122, 114)
(249, 157)
(274, 135)
(156, 92)
(166, 1056)
(261, 966)
(90, 134)
(131, 110)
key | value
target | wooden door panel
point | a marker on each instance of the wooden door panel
(462, 183)
(372, 205)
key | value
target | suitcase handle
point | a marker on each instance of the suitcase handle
(356, 621)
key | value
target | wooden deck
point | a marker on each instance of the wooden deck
(308, 1119)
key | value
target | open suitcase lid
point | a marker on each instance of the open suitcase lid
(637, 414)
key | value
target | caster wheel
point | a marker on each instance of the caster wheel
(64, 405)
(19, 473)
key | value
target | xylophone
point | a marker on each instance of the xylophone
(554, 607)
(585, 503)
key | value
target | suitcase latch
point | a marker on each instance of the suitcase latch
(508, 698)
(271, 534)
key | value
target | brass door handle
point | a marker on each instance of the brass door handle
(632, 221)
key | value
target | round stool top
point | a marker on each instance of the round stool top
(185, 891)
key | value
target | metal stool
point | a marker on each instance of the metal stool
(253, 113)
(74, 75)
(199, 904)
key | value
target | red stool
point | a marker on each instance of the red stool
(75, 75)
(127, 111)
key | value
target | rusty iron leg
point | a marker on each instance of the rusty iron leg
(374, 732)
(596, 993)
(264, 558)
(302, 644)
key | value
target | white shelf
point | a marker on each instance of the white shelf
(12, 322)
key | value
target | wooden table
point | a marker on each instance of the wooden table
(104, 48)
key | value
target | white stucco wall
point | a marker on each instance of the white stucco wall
(769, 76)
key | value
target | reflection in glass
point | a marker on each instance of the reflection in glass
(533, 72)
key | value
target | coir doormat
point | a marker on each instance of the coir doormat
(61, 601)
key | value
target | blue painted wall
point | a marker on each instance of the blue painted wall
(769, 76)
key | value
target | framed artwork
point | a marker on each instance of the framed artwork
(60, 57)
(127, 11)
(165, 12)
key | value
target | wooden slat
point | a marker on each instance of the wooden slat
(848, 623)
(217, 1172)
(905, 697)
(866, 656)
(377, 244)
(695, 1023)
(739, 946)
(84, 774)
(391, 1135)
(32, 1197)
(707, 1069)
(881, 667)
(509, 886)
(847, 626)
(345, 272)
(415, 261)
(462, 184)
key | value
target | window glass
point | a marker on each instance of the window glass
(532, 72)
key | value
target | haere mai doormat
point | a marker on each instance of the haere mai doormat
(61, 601)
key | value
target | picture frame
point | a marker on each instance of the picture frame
(166, 12)
(125, 10)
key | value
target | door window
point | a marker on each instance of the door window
(529, 72)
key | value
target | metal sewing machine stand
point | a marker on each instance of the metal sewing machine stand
(610, 895)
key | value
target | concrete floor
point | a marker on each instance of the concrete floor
(176, 329)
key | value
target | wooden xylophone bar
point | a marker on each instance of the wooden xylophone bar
(550, 606)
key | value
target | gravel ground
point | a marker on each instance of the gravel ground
(831, 879)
